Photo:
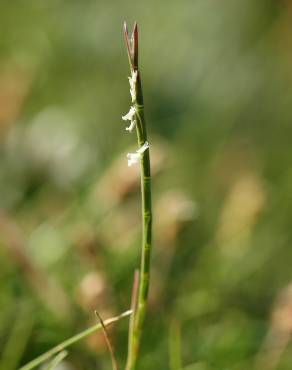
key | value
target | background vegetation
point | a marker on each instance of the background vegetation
(217, 82)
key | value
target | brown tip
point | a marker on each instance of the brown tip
(132, 45)
(135, 37)
(135, 28)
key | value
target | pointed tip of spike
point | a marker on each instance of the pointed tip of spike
(135, 45)
(125, 28)
(132, 44)
(135, 28)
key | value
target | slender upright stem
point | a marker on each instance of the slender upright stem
(140, 309)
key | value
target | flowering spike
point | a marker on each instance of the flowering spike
(141, 155)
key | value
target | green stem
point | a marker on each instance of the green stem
(60, 347)
(135, 335)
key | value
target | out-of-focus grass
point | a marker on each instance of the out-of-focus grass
(217, 81)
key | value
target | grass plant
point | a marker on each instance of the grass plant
(137, 118)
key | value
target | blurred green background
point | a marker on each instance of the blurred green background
(217, 78)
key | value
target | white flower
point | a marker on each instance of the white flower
(133, 158)
(132, 81)
(130, 116)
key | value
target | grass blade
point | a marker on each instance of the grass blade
(56, 360)
(76, 338)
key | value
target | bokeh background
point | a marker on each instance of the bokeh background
(217, 77)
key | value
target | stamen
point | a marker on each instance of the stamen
(134, 158)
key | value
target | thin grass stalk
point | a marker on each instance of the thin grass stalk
(140, 309)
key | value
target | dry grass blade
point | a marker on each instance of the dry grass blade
(108, 342)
